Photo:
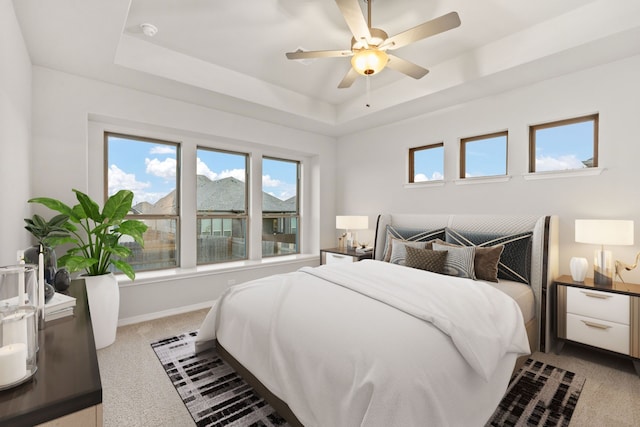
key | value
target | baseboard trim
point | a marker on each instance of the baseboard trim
(164, 313)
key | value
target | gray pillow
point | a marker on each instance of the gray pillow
(399, 251)
(459, 261)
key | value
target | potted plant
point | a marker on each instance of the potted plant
(95, 235)
(48, 234)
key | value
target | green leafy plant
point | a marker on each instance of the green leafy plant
(48, 233)
(97, 239)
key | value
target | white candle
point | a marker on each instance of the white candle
(14, 329)
(13, 363)
(41, 282)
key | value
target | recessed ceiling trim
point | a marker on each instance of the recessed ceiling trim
(140, 55)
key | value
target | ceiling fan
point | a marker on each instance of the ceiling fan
(370, 46)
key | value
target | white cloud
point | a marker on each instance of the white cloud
(420, 177)
(547, 163)
(235, 173)
(267, 181)
(120, 180)
(203, 169)
(163, 169)
(162, 149)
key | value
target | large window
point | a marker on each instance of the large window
(280, 207)
(564, 145)
(222, 209)
(149, 168)
(484, 155)
(426, 163)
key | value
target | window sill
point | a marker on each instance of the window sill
(563, 174)
(482, 180)
(150, 277)
(424, 184)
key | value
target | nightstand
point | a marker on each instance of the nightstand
(605, 317)
(333, 255)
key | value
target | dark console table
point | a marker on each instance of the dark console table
(66, 389)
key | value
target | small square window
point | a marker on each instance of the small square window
(483, 155)
(564, 145)
(426, 163)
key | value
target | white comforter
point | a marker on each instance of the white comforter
(373, 343)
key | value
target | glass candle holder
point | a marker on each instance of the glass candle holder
(18, 324)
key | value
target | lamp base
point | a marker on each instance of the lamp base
(603, 268)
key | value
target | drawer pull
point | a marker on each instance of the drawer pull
(337, 256)
(599, 296)
(595, 325)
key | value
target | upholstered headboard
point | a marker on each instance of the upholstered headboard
(543, 249)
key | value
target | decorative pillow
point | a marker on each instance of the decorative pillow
(459, 260)
(515, 260)
(426, 259)
(399, 250)
(486, 261)
(409, 234)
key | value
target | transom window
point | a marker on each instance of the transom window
(149, 168)
(483, 155)
(426, 163)
(564, 144)
(280, 207)
(222, 206)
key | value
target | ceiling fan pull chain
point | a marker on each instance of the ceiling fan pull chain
(368, 80)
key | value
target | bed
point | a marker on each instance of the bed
(378, 343)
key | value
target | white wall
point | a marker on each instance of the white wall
(373, 164)
(15, 135)
(69, 111)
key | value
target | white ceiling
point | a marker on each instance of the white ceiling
(230, 54)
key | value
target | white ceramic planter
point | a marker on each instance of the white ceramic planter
(578, 267)
(103, 296)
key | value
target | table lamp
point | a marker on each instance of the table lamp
(603, 232)
(351, 222)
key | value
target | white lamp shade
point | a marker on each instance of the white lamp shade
(604, 231)
(352, 222)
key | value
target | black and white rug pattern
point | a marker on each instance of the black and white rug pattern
(212, 391)
(538, 394)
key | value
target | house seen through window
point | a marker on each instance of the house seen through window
(280, 207)
(149, 168)
(222, 205)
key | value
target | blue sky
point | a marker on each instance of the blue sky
(149, 169)
(557, 148)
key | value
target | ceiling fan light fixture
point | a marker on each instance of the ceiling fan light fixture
(369, 61)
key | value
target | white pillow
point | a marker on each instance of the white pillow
(399, 251)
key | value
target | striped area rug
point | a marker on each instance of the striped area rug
(210, 389)
(538, 395)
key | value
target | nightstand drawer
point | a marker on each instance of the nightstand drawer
(598, 333)
(331, 258)
(598, 305)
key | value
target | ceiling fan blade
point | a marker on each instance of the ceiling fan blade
(319, 54)
(430, 28)
(348, 79)
(355, 19)
(406, 67)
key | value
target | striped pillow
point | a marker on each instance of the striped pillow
(410, 235)
(399, 250)
(459, 260)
